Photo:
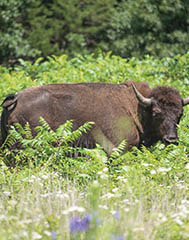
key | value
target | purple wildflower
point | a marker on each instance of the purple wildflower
(116, 215)
(53, 235)
(96, 217)
(116, 237)
(78, 224)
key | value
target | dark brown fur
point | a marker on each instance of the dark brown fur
(113, 107)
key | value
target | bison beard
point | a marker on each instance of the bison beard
(130, 111)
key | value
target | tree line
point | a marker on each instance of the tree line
(33, 28)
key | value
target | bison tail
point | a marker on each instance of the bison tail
(9, 105)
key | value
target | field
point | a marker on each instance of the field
(48, 195)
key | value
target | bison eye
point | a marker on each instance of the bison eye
(157, 115)
(156, 112)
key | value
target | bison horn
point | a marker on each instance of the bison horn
(185, 101)
(145, 101)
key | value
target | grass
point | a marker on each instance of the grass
(144, 195)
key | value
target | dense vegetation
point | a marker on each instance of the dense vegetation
(33, 28)
(50, 194)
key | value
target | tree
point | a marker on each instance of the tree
(158, 28)
(68, 26)
(13, 44)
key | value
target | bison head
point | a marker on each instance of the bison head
(165, 107)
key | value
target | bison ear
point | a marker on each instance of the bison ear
(185, 101)
(145, 101)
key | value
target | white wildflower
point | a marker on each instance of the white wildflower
(74, 209)
(95, 183)
(105, 169)
(103, 207)
(180, 186)
(108, 196)
(120, 178)
(145, 164)
(2, 217)
(185, 202)
(47, 233)
(115, 190)
(24, 234)
(44, 177)
(163, 170)
(139, 229)
(162, 218)
(36, 235)
(187, 166)
(102, 175)
(179, 221)
(62, 195)
(7, 194)
(153, 172)
(126, 201)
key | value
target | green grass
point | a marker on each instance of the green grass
(144, 195)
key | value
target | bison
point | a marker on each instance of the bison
(131, 111)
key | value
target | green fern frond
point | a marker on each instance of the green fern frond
(73, 136)
(28, 131)
(117, 152)
(64, 129)
(18, 132)
(44, 124)
(9, 141)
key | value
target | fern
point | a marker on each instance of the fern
(73, 136)
(117, 152)
(46, 144)
(9, 141)
(28, 131)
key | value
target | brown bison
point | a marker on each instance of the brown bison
(130, 111)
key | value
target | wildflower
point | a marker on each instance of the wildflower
(126, 209)
(73, 209)
(76, 208)
(108, 196)
(7, 194)
(162, 218)
(179, 221)
(103, 207)
(44, 177)
(53, 235)
(36, 235)
(116, 214)
(78, 224)
(163, 169)
(187, 166)
(116, 237)
(96, 217)
(145, 164)
(138, 229)
(114, 190)
(153, 172)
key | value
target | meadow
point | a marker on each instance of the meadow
(143, 195)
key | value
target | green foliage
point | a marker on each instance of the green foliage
(57, 150)
(13, 44)
(33, 28)
(142, 27)
(67, 26)
(142, 194)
